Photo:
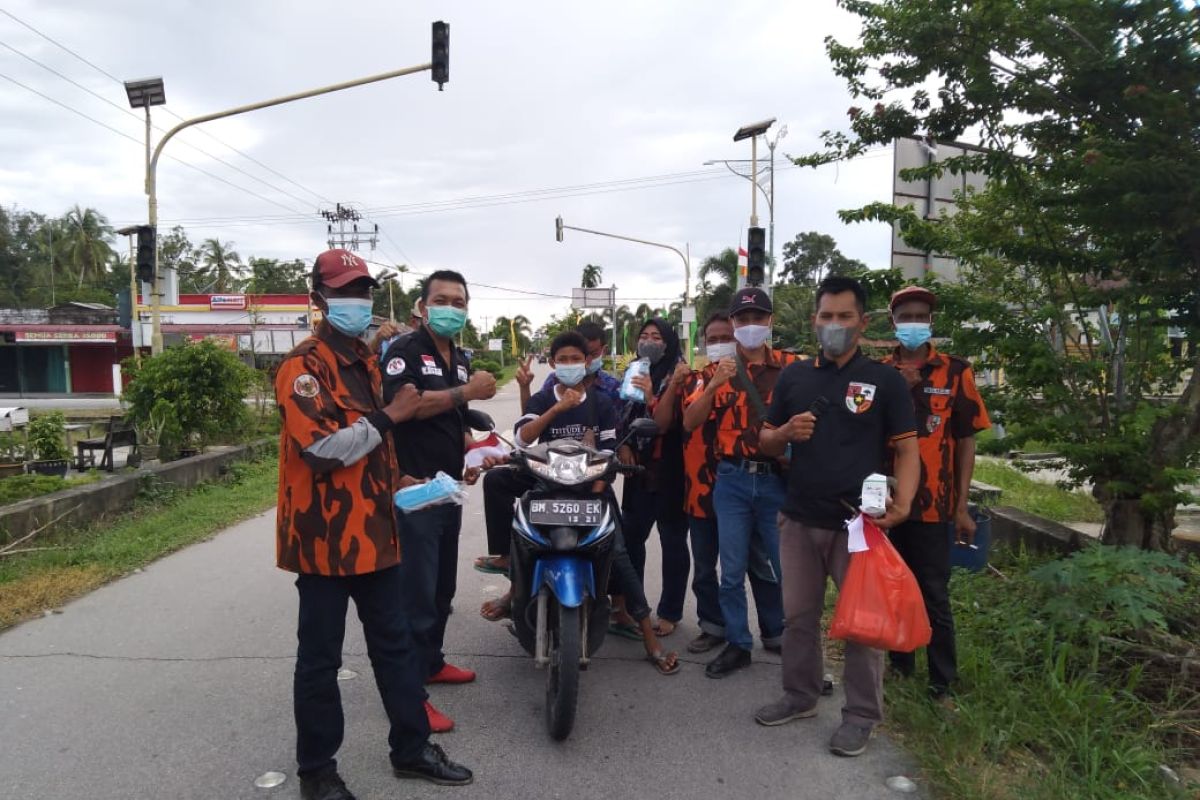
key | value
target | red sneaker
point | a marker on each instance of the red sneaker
(438, 722)
(452, 674)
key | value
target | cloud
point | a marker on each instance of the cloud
(540, 95)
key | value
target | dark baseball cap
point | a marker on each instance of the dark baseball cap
(336, 268)
(750, 297)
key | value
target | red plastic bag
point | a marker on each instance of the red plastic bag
(880, 603)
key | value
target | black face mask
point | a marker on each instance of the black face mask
(652, 351)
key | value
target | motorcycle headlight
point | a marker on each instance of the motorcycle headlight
(567, 470)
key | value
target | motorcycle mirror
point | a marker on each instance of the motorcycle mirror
(479, 421)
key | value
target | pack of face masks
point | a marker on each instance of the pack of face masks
(628, 390)
(440, 490)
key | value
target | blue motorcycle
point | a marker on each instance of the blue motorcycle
(562, 554)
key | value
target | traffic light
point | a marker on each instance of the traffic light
(441, 53)
(756, 256)
(145, 253)
(558, 229)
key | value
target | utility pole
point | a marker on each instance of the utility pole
(50, 233)
(352, 239)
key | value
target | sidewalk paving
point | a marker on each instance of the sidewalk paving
(176, 683)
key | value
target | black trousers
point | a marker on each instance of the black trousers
(644, 509)
(924, 547)
(502, 488)
(394, 659)
(429, 576)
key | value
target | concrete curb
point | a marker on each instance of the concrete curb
(85, 504)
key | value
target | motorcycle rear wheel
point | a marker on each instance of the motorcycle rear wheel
(562, 675)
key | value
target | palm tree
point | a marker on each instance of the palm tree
(523, 329)
(222, 266)
(723, 269)
(86, 246)
(592, 274)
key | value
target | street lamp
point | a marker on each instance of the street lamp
(753, 178)
(441, 36)
(144, 93)
(559, 227)
(386, 277)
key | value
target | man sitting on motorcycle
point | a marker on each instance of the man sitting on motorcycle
(571, 409)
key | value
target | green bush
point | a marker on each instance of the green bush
(487, 365)
(205, 385)
(48, 437)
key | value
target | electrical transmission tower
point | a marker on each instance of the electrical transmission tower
(342, 226)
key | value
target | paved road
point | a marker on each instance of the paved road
(176, 683)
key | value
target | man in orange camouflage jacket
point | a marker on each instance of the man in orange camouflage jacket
(337, 529)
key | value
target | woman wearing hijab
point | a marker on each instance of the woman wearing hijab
(656, 497)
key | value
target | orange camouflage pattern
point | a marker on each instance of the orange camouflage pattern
(339, 522)
(699, 456)
(737, 423)
(949, 408)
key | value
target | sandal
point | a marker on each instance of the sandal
(626, 630)
(662, 632)
(666, 664)
(489, 565)
(496, 609)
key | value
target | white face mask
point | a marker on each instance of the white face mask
(716, 352)
(752, 337)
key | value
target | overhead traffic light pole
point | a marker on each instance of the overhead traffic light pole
(439, 65)
(559, 227)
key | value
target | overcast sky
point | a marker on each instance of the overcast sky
(541, 96)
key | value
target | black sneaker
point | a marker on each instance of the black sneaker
(326, 786)
(434, 766)
(849, 740)
(732, 659)
(705, 642)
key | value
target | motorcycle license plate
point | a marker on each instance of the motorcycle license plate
(566, 512)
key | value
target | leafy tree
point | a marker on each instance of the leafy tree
(1083, 248)
(176, 251)
(87, 243)
(592, 275)
(272, 276)
(221, 267)
(206, 385)
(812, 256)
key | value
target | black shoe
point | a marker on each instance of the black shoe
(732, 659)
(433, 766)
(705, 642)
(326, 786)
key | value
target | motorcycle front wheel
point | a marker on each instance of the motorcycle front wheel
(562, 676)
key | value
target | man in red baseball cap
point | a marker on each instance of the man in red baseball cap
(336, 528)
(949, 414)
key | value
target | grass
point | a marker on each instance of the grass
(1039, 714)
(22, 487)
(507, 373)
(1044, 499)
(162, 521)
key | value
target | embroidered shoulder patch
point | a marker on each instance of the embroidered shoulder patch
(395, 366)
(306, 386)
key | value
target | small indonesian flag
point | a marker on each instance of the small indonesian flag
(743, 260)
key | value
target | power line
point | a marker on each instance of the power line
(140, 143)
(159, 128)
(109, 75)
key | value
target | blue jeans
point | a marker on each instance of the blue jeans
(747, 510)
(706, 585)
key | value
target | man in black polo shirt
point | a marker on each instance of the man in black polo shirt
(434, 441)
(843, 414)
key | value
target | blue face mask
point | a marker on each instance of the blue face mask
(913, 334)
(350, 315)
(594, 366)
(570, 374)
(446, 321)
